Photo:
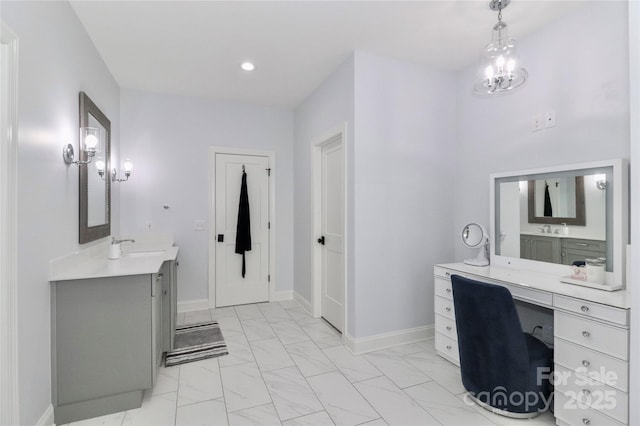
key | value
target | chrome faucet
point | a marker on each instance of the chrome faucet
(114, 241)
(548, 228)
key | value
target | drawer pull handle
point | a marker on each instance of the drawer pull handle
(586, 421)
(586, 392)
(448, 328)
(586, 334)
(582, 244)
(586, 363)
(448, 347)
(448, 309)
(584, 308)
(448, 290)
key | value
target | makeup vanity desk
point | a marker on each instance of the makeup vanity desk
(591, 339)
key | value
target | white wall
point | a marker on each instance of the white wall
(328, 107)
(578, 67)
(168, 138)
(404, 171)
(56, 61)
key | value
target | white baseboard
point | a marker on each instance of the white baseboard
(304, 303)
(277, 296)
(47, 417)
(386, 340)
(193, 305)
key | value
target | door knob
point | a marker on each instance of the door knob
(321, 240)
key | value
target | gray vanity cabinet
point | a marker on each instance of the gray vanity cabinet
(577, 249)
(169, 303)
(106, 343)
(540, 248)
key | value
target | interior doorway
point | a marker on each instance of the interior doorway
(236, 279)
(329, 244)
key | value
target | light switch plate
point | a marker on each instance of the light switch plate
(549, 119)
(199, 225)
(536, 124)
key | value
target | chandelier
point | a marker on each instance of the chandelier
(500, 69)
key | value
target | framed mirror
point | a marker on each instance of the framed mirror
(95, 184)
(591, 202)
(558, 200)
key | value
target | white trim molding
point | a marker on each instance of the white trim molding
(9, 400)
(213, 150)
(46, 419)
(386, 340)
(279, 296)
(193, 305)
(304, 303)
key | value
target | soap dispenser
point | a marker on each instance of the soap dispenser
(565, 229)
(114, 249)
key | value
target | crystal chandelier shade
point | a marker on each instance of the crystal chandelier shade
(500, 70)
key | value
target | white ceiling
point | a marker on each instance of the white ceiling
(196, 47)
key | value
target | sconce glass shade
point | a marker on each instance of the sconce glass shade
(90, 140)
(500, 70)
(100, 165)
(127, 166)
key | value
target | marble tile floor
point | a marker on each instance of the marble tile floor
(286, 368)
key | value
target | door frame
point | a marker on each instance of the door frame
(332, 135)
(213, 150)
(9, 398)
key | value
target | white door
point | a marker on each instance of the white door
(332, 230)
(231, 287)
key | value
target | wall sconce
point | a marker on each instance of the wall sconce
(601, 182)
(90, 142)
(127, 166)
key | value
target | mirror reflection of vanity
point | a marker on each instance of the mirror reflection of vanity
(95, 184)
(556, 216)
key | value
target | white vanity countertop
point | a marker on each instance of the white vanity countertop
(552, 235)
(544, 282)
(96, 264)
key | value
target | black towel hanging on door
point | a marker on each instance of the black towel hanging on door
(243, 230)
(548, 210)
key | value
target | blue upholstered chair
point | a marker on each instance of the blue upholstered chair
(499, 363)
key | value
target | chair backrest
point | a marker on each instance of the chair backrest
(493, 349)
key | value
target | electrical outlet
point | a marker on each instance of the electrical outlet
(199, 225)
(148, 226)
(537, 123)
(549, 119)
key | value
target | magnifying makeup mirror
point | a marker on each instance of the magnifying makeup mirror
(475, 236)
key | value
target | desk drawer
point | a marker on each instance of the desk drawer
(444, 307)
(570, 412)
(448, 348)
(446, 326)
(592, 310)
(443, 288)
(605, 368)
(589, 393)
(594, 335)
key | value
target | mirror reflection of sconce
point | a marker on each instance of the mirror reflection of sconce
(601, 182)
(127, 167)
(89, 143)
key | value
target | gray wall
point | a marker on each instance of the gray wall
(405, 137)
(56, 61)
(168, 138)
(578, 66)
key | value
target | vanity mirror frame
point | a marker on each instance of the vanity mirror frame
(578, 220)
(91, 233)
(617, 225)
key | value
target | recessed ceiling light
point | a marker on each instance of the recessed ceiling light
(247, 66)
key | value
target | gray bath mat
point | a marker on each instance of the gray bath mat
(194, 342)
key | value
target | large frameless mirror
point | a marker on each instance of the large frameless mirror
(95, 185)
(564, 215)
